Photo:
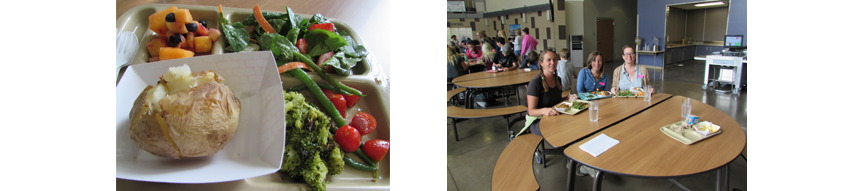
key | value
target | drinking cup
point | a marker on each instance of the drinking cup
(647, 93)
(593, 111)
(686, 107)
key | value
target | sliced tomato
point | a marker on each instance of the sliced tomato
(302, 45)
(364, 123)
(348, 138)
(339, 102)
(351, 100)
(328, 93)
(376, 149)
(324, 26)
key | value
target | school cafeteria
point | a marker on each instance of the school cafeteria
(597, 95)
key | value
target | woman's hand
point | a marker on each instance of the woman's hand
(573, 97)
(506, 69)
(550, 112)
(614, 90)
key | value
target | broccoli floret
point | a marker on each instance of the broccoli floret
(311, 153)
(334, 161)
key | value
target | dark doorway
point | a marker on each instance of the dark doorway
(605, 33)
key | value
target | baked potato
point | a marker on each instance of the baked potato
(185, 115)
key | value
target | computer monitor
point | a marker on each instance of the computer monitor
(734, 41)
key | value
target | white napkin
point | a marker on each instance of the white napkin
(598, 145)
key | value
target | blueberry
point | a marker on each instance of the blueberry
(174, 41)
(170, 17)
(203, 23)
(191, 27)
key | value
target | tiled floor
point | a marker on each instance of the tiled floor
(470, 161)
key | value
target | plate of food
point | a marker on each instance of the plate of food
(632, 92)
(599, 94)
(342, 80)
(573, 107)
(689, 134)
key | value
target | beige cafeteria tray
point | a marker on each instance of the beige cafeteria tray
(688, 136)
(367, 78)
(572, 111)
(631, 89)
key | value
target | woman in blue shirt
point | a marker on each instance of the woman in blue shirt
(593, 77)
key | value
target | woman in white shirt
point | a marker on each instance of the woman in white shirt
(517, 45)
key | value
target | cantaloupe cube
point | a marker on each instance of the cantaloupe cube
(157, 20)
(183, 16)
(190, 41)
(176, 27)
(154, 45)
(168, 53)
(203, 44)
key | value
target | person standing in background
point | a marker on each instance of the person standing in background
(566, 70)
(486, 39)
(503, 34)
(517, 45)
(528, 42)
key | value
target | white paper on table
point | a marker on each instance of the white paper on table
(257, 146)
(598, 145)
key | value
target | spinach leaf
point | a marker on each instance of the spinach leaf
(318, 19)
(283, 50)
(250, 20)
(237, 38)
(292, 35)
(291, 22)
(352, 49)
(277, 24)
(322, 41)
(342, 64)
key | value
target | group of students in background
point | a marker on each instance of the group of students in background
(468, 56)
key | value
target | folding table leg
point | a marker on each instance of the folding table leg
(456, 133)
(570, 177)
(598, 180)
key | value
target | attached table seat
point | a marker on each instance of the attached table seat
(514, 169)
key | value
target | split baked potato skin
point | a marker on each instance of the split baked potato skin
(196, 122)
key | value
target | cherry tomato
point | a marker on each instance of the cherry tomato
(339, 101)
(364, 123)
(351, 100)
(302, 45)
(348, 138)
(376, 149)
(324, 26)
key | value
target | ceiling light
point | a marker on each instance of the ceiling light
(709, 4)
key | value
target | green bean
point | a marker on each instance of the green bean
(324, 86)
(316, 91)
(304, 59)
(358, 165)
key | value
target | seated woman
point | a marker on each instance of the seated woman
(544, 92)
(593, 77)
(456, 65)
(473, 51)
(630, 74)
(530, 61)
(488, 56)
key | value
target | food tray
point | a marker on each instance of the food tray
(631, 89)
(367, 77)
(589, 96)
(572, 111)
(688, 136)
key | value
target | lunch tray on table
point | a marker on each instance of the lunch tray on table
(688, 136)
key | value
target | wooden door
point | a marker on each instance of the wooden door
(605, 32)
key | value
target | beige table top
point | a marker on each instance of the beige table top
(498, 79)
(646, 152)
(370, 19)
(481, 75)
(564, 129)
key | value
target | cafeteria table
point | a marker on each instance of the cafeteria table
(644, 151)
(486, 80)
(561, 130)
